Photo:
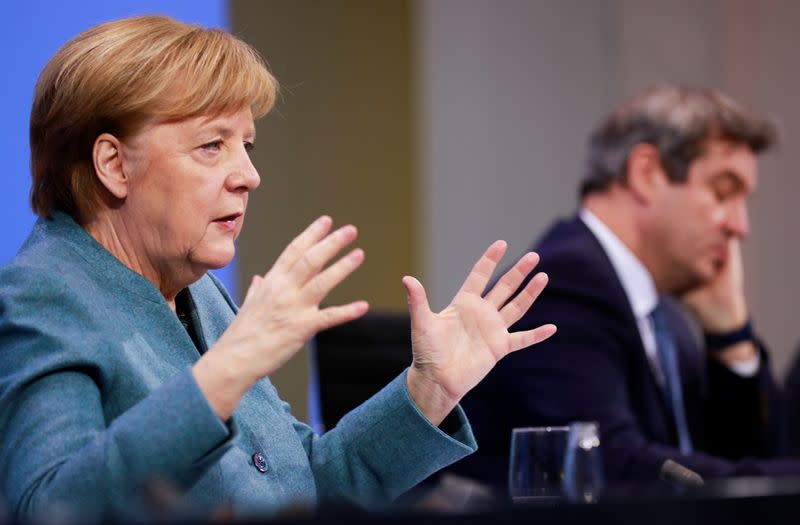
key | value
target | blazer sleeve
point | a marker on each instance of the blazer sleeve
(59, 451)
(383, 448)
(380, 449)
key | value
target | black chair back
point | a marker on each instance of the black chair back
(352, 362)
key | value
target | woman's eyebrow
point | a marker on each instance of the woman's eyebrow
(226, 131)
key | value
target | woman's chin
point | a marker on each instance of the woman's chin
(216, 259)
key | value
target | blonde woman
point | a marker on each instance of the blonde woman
(126, 363)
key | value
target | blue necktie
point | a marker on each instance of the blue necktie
(672, 379)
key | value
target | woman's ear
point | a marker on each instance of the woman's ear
(645, 174)
(107, 158)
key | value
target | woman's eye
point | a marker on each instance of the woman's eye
(212, 146)
(249, 146)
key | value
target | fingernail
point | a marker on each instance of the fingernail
(345, 231)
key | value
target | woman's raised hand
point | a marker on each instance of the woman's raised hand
(455, 348)
(280, 312)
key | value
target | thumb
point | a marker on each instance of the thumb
(253, 286)
(417, 299)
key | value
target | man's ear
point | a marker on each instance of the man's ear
(645, 173)
(107, 158)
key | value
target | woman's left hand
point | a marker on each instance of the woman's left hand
(455, 348)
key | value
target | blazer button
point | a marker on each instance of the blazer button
(260, 462)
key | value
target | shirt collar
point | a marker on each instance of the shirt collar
(636, 280)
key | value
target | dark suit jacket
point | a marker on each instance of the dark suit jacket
(595, 369)
(792, 395)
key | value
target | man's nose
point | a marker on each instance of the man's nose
(737, 220)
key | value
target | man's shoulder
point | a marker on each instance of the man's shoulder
(583, 290)
(573, 258)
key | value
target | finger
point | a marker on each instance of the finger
(516, 308)
(318, 255)
(300, 244)
(520, 340)
(418, 305)
(509, 283)
(336, 315)
(320, 285)
(482, 271)
(735, 262)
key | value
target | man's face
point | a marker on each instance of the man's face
(696, 220)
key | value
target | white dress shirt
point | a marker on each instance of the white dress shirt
(641, 292)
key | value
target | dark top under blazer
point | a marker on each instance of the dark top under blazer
(595, 369)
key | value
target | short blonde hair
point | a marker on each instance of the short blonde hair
(114, 77)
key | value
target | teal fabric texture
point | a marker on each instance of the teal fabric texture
(98, 406)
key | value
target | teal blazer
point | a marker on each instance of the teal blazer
(98, 404)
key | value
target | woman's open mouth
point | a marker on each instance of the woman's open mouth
(227, 222)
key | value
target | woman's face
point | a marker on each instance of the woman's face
(188, 186)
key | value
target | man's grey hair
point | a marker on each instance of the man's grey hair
(678, 121)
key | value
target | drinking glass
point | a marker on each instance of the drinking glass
(536, 465)
(583, 464)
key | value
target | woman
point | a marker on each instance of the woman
(126, 364)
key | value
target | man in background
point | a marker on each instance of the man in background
(663, 208)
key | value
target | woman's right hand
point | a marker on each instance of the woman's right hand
(280, 312)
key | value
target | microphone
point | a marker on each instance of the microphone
(679, 476)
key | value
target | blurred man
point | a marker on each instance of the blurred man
(663, 207)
